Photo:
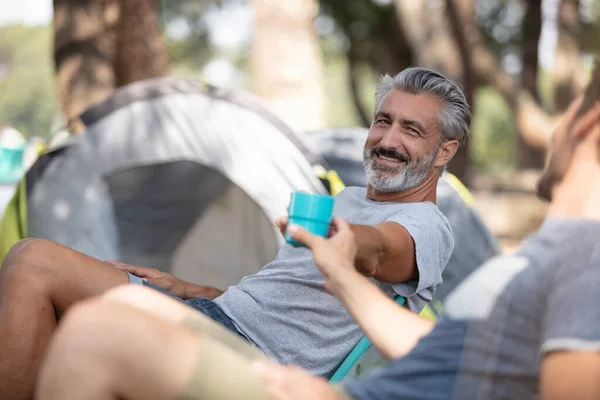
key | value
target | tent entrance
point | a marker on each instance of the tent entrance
(189, 219)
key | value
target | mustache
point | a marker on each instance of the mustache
(389, 153)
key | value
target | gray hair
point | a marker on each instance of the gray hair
(455, 116)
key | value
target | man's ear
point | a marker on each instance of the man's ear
(445, 153)
(585, 122)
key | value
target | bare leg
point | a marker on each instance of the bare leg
(155, 303)
(39, 281)
(110, 350)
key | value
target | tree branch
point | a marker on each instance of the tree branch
(535, 125)
(354, 83)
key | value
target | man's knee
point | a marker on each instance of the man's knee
(23, 259)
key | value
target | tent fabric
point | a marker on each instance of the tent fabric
(14, 226)
(14, 220)
(166, 172)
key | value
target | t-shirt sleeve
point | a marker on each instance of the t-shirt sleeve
(434, 243)
(572, 312)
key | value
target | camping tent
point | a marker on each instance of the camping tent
(176, 175)
(473, 241)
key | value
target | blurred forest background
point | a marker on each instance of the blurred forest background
(317, 63)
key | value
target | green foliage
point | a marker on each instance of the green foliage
(493, 134)
(28, 99)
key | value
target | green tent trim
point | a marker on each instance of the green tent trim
(14, 222)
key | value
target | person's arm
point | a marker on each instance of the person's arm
(569, 375)
(385, 252)
(180, 288)
(392, 329)
(294, 383)
(570, 343)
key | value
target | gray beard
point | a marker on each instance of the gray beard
(410, 175)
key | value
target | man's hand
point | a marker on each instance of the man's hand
(178, 287)
(334, 256)
(281, 223)
(293, 383)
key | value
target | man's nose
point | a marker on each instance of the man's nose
(392, 138)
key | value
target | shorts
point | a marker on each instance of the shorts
(202, 304)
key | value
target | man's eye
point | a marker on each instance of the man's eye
(382, 121)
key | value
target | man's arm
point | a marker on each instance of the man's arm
(570, 375)
(386, 252)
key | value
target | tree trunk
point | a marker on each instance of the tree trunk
(286, 61)
(391, 51)
(100, 45)
(592, 92)
(354, 85)
(529, 156)
(427, 31)
(141, 51)
(566, 73)
(83, 54)
(461, 162)
(535, 125)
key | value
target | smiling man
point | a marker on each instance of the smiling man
(403, 244)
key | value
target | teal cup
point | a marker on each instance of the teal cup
(312, 212)
(11, 164)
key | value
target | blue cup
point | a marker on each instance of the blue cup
(312, 212)
(11, 164)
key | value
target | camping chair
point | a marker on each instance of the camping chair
(355, 355)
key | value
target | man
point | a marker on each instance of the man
(523, 326)
(403, 243)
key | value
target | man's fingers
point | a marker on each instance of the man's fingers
(281, 221)
(137, 271)
(340, 225)
(303, 236)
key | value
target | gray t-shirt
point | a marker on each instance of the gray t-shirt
(502, 320)
(285, 310)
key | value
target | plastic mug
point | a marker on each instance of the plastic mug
(312, 212)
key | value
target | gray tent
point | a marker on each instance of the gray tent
(473, 241)
(175, 175)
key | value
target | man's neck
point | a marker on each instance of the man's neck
(578, 194)
(426, 191)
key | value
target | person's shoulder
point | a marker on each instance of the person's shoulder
(424, 210)
(564, 238)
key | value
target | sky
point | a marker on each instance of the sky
(30, 12)
(33, 12)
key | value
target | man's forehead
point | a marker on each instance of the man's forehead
(398, 104)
